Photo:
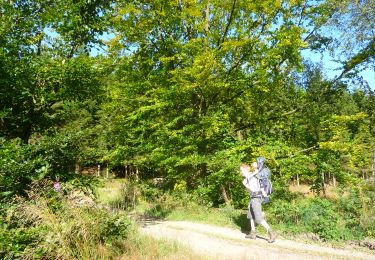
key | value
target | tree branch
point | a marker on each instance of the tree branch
(359, 58)
(207, 25)
(298, 152)
(302, 12)
(270, 118)
(222, 39)
(238, 62)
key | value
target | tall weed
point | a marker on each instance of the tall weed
(54, 226)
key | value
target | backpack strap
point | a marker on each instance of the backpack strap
(257, 194)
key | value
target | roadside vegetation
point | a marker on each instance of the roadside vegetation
(71, 224)
(341, 219)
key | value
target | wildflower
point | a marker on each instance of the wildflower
(57, 186)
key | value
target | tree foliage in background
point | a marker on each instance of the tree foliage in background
(184, 90)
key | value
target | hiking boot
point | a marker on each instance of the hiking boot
(251, 235)
(272, 236)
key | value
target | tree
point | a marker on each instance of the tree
(35, 81)
(347, 32)
(199, 85)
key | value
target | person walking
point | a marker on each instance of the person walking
(255, 214)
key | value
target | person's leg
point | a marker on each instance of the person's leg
(252, 234)
(265, 225)
(252, 224)
(250, 216)
(259, 218)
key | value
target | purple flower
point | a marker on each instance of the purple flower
(57, 186)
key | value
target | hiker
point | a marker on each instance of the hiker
(255, 213)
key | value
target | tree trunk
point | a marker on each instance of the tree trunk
(240, 135)
(297, 180)
(323, 184)
(225, 195)
(126, 172)
(77, 169)
(136, 174)
(207, 13)
(334, 180)
(26, 133)
(329, 178)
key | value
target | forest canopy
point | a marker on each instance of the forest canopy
(186, 90)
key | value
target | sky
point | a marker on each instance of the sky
(332, 68)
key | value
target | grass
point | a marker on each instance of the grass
(52, 225)
(181, 207)
(66, 231)
(168, 208)
(305, 190)
(137, 246)
(228, 217)
(145, 247)
(110, 191)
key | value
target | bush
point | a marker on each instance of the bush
(18, 168)
(50, 225)
(330, 220)
(22, 164)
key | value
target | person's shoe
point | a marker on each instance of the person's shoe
(251, 235)
(272, 236)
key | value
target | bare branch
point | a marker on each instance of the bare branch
(207, 25)
(221, 40)
(302, 13)
(303, 150)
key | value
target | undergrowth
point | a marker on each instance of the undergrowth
(69, 224)
(349, 217)
(73, 224)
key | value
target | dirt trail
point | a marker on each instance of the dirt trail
(226, 243)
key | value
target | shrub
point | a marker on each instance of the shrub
(50, 225)
(18, 168)
(330, 220)
(22, 164)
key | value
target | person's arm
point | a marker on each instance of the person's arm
(245, 182)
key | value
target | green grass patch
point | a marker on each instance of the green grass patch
(323, 219)
(227, 216)
(139, 246)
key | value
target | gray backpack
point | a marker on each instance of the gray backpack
(264, 178)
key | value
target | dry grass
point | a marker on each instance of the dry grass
(111, 190)
(70, 235)
(331, 192)
(139, 247)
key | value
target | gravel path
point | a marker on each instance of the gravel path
(225, 243)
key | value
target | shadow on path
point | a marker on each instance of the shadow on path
(146, 220)
(242, 222)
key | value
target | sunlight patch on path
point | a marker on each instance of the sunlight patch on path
(226, 243)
